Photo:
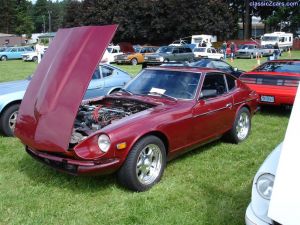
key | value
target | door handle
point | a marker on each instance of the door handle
(229, 105)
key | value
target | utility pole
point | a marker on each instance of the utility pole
(49, 18)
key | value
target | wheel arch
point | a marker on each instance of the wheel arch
(10, 104)
(158, 134)
(114, 89)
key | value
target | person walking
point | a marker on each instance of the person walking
(232, 51)
(276, 51)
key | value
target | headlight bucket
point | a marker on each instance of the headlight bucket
(104, 142)
(264, 185)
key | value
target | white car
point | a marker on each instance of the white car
(207, 52)
(113, 50)
(32, 56)
(257, 211)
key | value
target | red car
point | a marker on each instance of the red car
(275, 81)
(161, 114)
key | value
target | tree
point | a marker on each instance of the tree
(7, 16)
(40, 15)
(24, 23)
(73, 14)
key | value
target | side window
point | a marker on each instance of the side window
(20, 49)
(114, 50)
(290, 39)
(13, 50)
(175, 51)
(188, 50)
(213, 50)
(181, 50)
(214, 83)
(231, 82)
(144, 50)
(96, 74)
(106, 71)
(208, 50)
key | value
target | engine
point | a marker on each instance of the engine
(96, 115)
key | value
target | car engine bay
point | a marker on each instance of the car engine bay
(96, 115)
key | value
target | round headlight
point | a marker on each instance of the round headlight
(161, 59)
(264, 185)
(103, 142)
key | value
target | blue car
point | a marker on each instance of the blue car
(106, 80)
(14, 52)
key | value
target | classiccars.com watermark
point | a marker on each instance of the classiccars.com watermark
(269, 3)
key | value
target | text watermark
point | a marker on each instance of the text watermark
(270, 3)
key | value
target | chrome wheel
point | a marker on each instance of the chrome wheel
(242, 126)
(12, 120)
(149, 164)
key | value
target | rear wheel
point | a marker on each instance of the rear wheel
(144, 165)
(241, 127)
(8, 120)
(134, 61)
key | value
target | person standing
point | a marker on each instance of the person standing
(224, 47)
(276, 51)
(232, 51)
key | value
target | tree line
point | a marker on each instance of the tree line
(145, 21)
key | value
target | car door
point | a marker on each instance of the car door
(96, 85)
(20, 52)
(13, 53)
(175, 55)
(212, 115)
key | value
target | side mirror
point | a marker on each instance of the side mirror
(210, 93)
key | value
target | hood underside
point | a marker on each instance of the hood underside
(51, 102)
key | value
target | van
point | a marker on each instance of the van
(284, 40)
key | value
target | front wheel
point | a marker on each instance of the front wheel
(241, 127)
(144, 165)
(3, 58)
(8, 120)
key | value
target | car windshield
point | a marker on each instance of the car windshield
(199, 50)
(165, 49)
(109, 50)
(164, 83)
(289, 67)
(268, 47)
(269, 38)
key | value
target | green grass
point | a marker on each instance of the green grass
(210, 185)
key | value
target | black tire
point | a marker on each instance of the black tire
(3, 58)
(134, 61)
(34, 58)
(233, 135)
(9, 112)
(128, 175)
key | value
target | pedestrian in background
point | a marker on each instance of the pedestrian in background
(276, 51)
(224, 47)
(232, 51)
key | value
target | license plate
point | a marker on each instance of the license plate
(264, 98)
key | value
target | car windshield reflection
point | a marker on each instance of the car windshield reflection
(171, 84)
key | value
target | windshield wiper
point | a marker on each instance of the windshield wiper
(126, 91)
(160, 94)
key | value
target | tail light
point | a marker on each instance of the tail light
(291, 83)
(248, 80)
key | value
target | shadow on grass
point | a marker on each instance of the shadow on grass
(43, 174)
(275, 111)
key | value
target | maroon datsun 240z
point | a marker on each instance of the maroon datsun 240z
(163, 112)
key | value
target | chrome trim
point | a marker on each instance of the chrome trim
(212, 111)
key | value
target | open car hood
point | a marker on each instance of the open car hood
(126, 47)
(49, 107)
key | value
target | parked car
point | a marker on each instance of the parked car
(113, 51)
(267, 50)
(275, 81)
(218, 65)
(137, 57)
(170, 53)
(14, 52)
(248, 51)
(179, 43)
(33, 56)
(105, 80)
(160, 114)
(257, 211)
(204, 52)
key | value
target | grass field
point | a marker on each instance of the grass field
(210, 185)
